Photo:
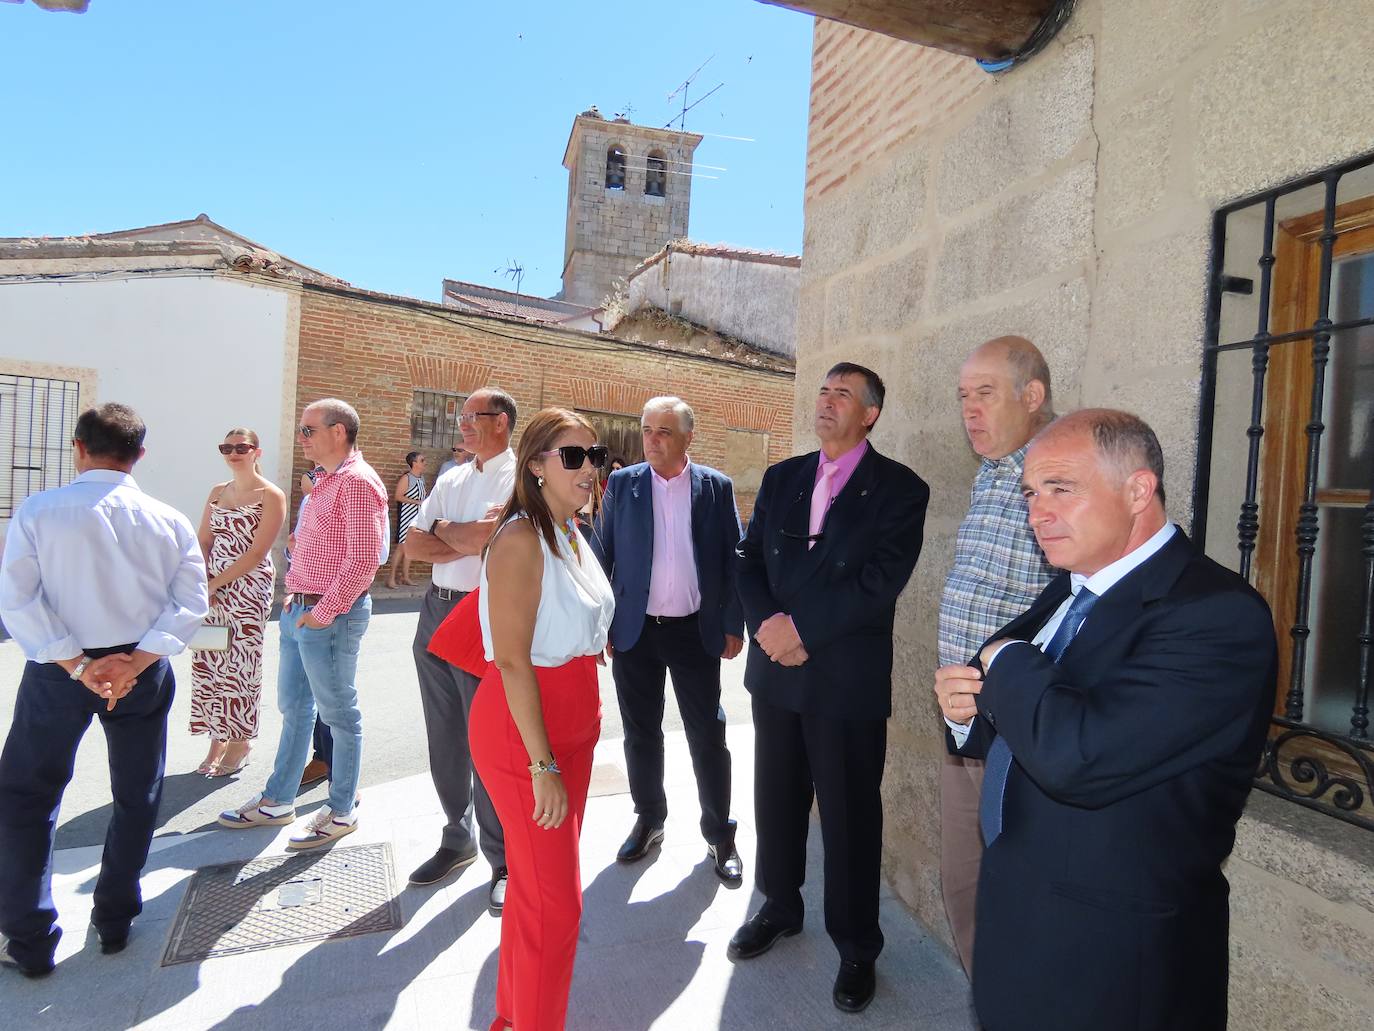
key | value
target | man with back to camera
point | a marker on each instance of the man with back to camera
(452, 527)
(1121, 717)
(999, 569)
(99, 585)
(666, 535)
(832, 542)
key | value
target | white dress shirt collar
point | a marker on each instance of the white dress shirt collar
(1108, 576)
(118, 476)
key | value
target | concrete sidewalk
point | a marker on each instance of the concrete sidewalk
(651, 953)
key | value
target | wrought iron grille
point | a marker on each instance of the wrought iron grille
(37, 420)
(434, 419)
(1305, 491)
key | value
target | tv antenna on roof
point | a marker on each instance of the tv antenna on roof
(684, 89)
(513, 270)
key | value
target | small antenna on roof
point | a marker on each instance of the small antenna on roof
(684, 89)
(513, 270)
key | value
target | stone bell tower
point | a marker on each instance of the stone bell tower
(629, 193)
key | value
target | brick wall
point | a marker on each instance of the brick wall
(374, 352)
(869, 91)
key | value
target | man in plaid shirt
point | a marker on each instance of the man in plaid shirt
(324, 616)
(1004, 394)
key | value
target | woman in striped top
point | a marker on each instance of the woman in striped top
(410, 491)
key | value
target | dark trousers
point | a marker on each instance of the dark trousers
(839, 763)
(51, 715)
(323, 743)
(446, 694)
(674, 647)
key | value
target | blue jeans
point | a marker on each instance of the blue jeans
(317, 671)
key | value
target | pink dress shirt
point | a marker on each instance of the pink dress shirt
(846, 463)
(673, 586)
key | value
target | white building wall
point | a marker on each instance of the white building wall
(194, 354)
(753, 301)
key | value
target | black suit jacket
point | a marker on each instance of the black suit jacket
(841, 594)
(1102, 903)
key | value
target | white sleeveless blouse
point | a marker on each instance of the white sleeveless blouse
(575, 605)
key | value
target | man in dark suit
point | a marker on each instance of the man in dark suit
(834, 538)
(1121, 718)
(666, 535)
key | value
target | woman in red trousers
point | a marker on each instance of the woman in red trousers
(545, 608)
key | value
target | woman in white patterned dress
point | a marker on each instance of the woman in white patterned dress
(242, 518)
(409, 493)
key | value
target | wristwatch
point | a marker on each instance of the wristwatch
(86, 660)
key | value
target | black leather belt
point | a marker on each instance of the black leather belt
(666, 620)
(307, 601)
(447, 593)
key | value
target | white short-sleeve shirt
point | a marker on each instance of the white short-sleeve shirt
(463, 495)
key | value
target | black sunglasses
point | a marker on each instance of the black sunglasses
(573, 455)
(242, 448)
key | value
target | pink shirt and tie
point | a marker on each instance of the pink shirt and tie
(831, 477)
(673, 586)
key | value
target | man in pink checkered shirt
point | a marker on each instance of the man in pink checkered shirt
(324, 616)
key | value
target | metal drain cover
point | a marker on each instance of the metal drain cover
(284, 900)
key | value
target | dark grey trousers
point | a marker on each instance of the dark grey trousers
(446, 694)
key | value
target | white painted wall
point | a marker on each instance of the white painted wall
(195, 354)
(753, 301)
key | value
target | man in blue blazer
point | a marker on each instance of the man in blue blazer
(666, 535)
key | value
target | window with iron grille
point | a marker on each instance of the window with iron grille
(1284, 492)
(434, 419)
(37, 421)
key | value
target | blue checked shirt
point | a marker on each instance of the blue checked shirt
(998, 567)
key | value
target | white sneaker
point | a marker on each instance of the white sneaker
(254, 814)
(325, 827)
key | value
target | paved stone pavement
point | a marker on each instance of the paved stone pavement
(652, 945)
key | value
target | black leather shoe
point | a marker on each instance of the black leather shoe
(112, 942)
(757, 936)
(496, 894)
(854, 986)
(644, 837)
(10, 963)
(441, 864)
(728, 865)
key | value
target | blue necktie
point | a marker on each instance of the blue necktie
(999, 755)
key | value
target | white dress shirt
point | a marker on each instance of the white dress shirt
(463, 495)
(97, 564)
(1099, 583)
(674, 589)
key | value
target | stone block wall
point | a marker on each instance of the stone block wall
(1068, 200)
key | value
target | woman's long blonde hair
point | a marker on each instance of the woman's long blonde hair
(527, 498)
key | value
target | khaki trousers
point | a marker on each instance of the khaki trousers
(961, 848)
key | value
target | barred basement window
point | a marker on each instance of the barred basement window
(615, 168)
(1286, 446)
(434, 419)
(656, 176)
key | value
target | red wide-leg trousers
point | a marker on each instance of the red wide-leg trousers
(544, 894)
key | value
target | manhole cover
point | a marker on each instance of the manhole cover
(282, 900)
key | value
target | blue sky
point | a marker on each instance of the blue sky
(391, 144)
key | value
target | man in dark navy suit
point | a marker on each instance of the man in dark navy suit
(833, 540)
(666, 535)
(1121, 718)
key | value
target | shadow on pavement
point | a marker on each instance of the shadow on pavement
(180, 792)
